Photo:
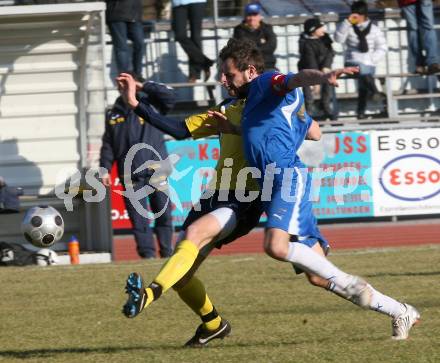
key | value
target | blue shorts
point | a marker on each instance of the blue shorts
(290, 208)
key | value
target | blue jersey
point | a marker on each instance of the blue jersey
(274, 122)
(274, 125)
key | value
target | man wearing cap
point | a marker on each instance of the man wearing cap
(254, 28)
(316, 52)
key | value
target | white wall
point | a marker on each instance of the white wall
(41, 63)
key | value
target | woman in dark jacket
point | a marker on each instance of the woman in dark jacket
(316, 52)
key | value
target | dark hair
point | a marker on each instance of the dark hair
(244, 53)
(359, 7)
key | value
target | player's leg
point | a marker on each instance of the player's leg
(278, 246)
(191, 289)
(293, 216)
(197, 235)
(193, 293)
(314, 279)
(404, 316)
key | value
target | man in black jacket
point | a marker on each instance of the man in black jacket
(124, 20)
(316, 52)
(262, 34)
(123, 131)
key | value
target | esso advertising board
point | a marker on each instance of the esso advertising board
(406, 171)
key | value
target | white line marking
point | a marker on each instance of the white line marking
(243, 259)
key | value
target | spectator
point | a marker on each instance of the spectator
(316, 52)
(192, 11)
(419, 18)
(124, 20)
(124, 129)
(365, 46)
(254, 28)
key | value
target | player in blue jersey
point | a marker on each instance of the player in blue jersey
(272, 131)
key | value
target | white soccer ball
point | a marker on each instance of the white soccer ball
(42, 226)
(46, 257)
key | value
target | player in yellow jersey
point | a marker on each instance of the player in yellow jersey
(219, 217)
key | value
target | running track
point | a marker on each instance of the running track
(340, 236)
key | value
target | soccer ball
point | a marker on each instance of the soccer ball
(46, 257)
(42, 226)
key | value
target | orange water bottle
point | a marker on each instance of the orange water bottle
(73, 248)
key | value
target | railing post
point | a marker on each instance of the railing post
(218, 89)
(391, 102)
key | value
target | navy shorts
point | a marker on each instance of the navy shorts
(247, 214)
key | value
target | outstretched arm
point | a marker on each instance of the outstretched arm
(168, 125)
(173, 127)
(310, 77)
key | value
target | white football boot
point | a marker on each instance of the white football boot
(404, 322)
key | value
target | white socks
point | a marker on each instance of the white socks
(310, 261)
(385, 304)
(379, 302)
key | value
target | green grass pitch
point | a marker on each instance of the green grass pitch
(73, 313)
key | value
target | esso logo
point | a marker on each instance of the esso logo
(412, 177)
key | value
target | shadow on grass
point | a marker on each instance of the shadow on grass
(392, 274)
(230, 344)
(39, 353)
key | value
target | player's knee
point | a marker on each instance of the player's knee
(194, 233)
(275, 250)
(276, 244)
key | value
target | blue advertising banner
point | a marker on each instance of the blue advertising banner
(341, 166)
(404, 179)
(342, 176)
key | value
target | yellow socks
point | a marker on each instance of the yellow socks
(194, 295)
(177, 265)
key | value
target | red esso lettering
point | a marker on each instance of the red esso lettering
(399, 177)
(412, 177)
(347, 144)
(361, 144)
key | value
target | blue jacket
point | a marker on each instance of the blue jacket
(123, 129)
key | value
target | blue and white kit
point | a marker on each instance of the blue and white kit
(274, 126)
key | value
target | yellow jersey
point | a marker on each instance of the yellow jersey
(231, 147)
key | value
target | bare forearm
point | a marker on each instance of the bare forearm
(307, 77)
